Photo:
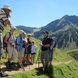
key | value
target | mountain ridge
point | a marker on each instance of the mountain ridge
(65, 28)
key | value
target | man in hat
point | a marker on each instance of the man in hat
(4, 20)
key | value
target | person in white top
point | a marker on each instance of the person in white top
(33, 51)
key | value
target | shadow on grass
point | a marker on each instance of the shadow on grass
(49, 72)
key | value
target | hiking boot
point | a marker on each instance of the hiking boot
(2, 74)
(8, 65)
(29, 63)
(18, 66)
(24, 63)
(14, 66)
(22, 67)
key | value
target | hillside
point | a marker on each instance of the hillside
(63, 56)
(64, 29)
(27, 29)
(61, 68)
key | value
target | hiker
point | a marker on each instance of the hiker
(28, 51)
(20, 48)
(45, 45)
(24, 42)
(11, 50)
(33, 51)
(4, 21)
(25, 48)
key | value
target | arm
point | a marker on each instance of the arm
(7, 22)
(6, 38)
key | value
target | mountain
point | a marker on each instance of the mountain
(26, 28)
(60, 23)
(64, 29)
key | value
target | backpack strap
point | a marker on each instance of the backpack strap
(9, 36)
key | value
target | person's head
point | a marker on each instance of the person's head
(12, 29)
(45, 33)
(21, 33)
(24, 34)
(32, 42)
(29, 35)
(7, 10)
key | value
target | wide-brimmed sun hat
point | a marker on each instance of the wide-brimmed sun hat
(7, 7)
(29, 34)
(21, 32)
(12, 27)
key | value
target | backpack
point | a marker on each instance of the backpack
(53, 42)
(16, 43)
(4, 43)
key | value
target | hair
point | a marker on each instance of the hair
(33, 42)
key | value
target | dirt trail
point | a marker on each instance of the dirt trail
(30, 67)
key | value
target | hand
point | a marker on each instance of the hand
(13, 44)
(41, 44)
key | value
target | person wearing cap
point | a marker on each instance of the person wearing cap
(45, 45)
(10, 41)
(28, 51)
(20, 48)
(4, 20)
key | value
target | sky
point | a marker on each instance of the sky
(38, 13)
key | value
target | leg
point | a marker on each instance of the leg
(10, 50)
(21, 57)
(33, 57)
(2, 74)
(1, 47)
(42, 58)
(45, 59)
(50, 56)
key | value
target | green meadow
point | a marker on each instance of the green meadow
(61, 67)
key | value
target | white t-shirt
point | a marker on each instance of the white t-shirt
(33, 48)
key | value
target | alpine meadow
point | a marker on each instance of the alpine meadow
(65, 59)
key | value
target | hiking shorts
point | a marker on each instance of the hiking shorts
(11, 51)
(28, 51)
(1, 45)
(21, 53)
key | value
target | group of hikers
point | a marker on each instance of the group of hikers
(22, 44)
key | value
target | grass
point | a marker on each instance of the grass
(73, 53)
(59, 71)
(61, 56)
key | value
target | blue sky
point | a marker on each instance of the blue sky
(37, 13)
